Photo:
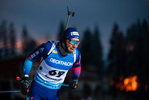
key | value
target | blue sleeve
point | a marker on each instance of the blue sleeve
(76, 69)
(27, 66)
(36, 54)
(78, 59)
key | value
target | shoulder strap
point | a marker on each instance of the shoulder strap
(53, 46)
(74, 56)
(50, 51)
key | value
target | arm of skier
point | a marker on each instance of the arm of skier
(37, 53)
(76, 70)
(33, 56)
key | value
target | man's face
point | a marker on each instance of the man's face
(72, 44)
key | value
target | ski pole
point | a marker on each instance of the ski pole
(67, 85)
(10, 91)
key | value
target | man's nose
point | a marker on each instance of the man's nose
(75, 45)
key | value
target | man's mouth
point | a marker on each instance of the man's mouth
(72, 48)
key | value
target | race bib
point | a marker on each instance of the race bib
(51, 74)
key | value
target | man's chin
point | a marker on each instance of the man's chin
(71, 51)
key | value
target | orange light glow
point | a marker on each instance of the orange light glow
(128, 84)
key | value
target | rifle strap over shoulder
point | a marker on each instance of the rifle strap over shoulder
(53, 46)
(50, 51)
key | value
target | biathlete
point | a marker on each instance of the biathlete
(57, 58)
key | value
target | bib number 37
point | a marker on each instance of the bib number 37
(56, 73)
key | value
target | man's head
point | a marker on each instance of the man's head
(70, 40)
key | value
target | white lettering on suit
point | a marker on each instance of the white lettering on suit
(60, 62)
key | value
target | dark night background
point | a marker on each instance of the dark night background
(114, 45)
